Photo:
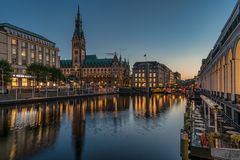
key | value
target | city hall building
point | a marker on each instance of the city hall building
(89, 69)
(21, 47)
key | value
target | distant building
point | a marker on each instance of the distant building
(148, 74)
(88, 69)
(21, 47)
(177, 77)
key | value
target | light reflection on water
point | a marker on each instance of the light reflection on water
(104, 127)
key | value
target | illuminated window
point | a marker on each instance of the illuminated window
(14, 51)
(154, 74)
(24, 71)
(33, 55)
(47, 57)
(32, 46)
(40, 56)
(24, 82)
(23, 53)
(14, 82)
(14, 41)
(23, 44)
(53, 59)
(31, 83)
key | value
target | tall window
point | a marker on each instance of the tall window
(24, 82)
(14, 82)
(14, 56)
(32, 46)
(14, 41)
(47, 58)
(24, 57)
(40, 57)
(24, 44)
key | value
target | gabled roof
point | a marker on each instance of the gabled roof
(7, 25)
(91, 60)
(146, 62)
(66, 63)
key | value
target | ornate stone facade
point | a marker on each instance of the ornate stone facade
(88, 69)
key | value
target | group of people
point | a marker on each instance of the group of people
(204, 139)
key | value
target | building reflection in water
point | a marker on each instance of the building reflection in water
(28, 129)
(151, 106)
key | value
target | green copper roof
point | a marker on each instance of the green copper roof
(93, 60)
(2, 25)
(66, 63)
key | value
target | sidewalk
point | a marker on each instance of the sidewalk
(38, 97)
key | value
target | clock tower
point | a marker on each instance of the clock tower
(78, 43)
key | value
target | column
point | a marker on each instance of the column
(36, 54)
(229, 77)
(209, 116)
(237, 79)
(225, 81)
(9, 50)
(232, 113)
(204, 108)
(210, 81)
(219, 81)
(19, 52)
(222, 80)
(28, 53)
(44, 56)
(215, 121)
(51, 57)
(233, 81)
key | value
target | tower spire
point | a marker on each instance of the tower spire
(78, 24)
(78, 13)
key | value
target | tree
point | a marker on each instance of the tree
(56, 74)
(43, 73)
(6, 70)
(35, 70)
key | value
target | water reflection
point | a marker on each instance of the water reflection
(152, 106)
(28, 131)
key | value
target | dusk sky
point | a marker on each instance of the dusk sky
(178, 33)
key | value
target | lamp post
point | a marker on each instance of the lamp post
(2, 81)
(46, 86)
(33, 87)
(57, 87)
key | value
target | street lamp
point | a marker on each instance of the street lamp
(2, 81)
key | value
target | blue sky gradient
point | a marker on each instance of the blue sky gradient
(178, 33)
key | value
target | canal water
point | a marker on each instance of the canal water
(105, 127)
